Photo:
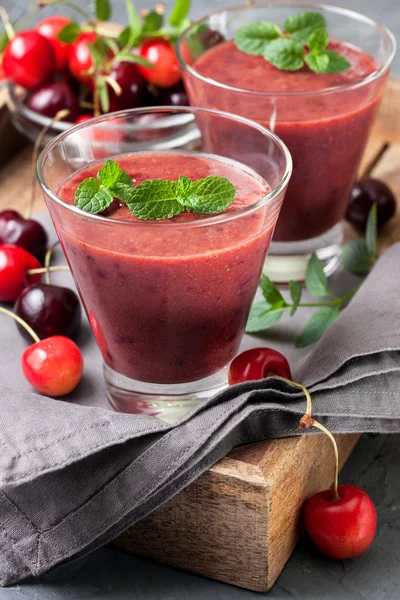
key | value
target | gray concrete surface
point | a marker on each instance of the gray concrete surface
(374, 465)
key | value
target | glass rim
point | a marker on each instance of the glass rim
(226, 216)
(327, 7)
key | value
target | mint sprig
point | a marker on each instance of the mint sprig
(154, 198)
(287, 49)
(357, 257)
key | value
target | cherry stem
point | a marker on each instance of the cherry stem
(375, 160)
(307, 421)
(47, 260)
(9, 29)
(35, 155)
(113, 84)
(21, 322)
(47, 270)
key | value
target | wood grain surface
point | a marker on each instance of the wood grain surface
(240, 521)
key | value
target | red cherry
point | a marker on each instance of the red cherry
(341, 528)
(14, 264)
(50, 28)
(83, 119)
(53, 366)
(80, 60)
(29, 59)
(26, 233)
(49, 99)
(166, 72)
(258, 363)
(131, 81)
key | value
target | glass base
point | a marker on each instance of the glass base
(288, 260)
(164, 401)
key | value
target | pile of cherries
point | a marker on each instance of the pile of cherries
(49, 314)
(62, 76)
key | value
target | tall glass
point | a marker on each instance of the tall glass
(326, 130)
(167, 300)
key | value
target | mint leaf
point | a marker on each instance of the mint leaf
(103, 10)
(69, 34)
(336, 62)
(262, 317)
(153, 21)
(271, 293)
(90, 197)
(371, 233)
(316, 326)
(318, 40)
(185, 185)
(301, 26)
(253, 37)
(295, 290)
(210, 195)
(111, 173)
(316, 281)
(356, 257)
(155, 199)
(317, 62)
(179, 12)
(284, 54)
(122, 191)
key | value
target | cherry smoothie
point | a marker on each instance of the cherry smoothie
(168, 300)
(325, 130)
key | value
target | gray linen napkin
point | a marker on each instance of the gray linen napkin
(73, 477)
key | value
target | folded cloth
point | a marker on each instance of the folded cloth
(73, 477)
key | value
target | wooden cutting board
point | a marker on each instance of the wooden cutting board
(240, 521)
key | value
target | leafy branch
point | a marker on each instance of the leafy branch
(358, 256)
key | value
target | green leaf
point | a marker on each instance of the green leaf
(134, 58)
(371, 233)
(336, 62)
(210, 195)
(135, 24)
(271, 293)
(284, 54)
(103, 10)
(316, 326)
(356, 257)
(112, 45)
(4, 39)
(103, 95)
(253, 37)
(295, 293)
(317, 62)
(69, 34)
(179, 12)
(125, 36)
(153, 21)
(262, 317)
(185, 185)
(155, 199)
(318, 40)
(301, 26)
(122, 191)
(111, 173)
(316, 281)
(91, 198)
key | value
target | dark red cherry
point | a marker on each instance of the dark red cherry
(364, 194)
(173, 96)
(128, 76)
(53, 97)
(25, 233)
(49, 310)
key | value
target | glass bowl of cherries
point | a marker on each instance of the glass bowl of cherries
(95, 67)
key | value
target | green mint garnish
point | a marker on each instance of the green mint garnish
(358, 256)
(286, 49)
(154, 198)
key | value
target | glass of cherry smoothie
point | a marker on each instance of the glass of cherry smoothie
(167, 299)
(324, 119)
